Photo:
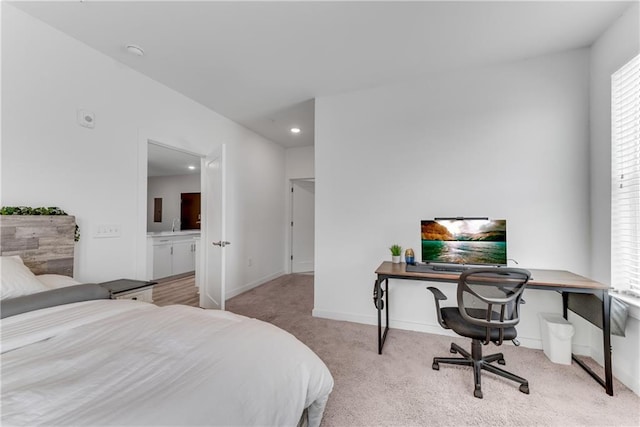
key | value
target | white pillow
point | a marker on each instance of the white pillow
(17, 279)
(54, 281)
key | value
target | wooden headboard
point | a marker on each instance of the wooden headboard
(45, 243)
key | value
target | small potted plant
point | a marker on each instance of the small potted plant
(396, 253)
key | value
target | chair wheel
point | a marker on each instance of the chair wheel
(501, 362)
(524, 388)
(477, 393)
(435, 366)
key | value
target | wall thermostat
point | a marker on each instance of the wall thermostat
(86, 119)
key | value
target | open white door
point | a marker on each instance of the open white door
(213, 243)
(302, 225)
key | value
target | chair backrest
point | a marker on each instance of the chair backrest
(490, 297)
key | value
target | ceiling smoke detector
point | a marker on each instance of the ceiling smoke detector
(135, 50)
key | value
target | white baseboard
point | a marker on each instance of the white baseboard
(436, 329)
(373, 320)
(333, 315)
(248, 286)
(631, 380)
(624, 370)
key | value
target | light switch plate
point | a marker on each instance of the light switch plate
(106, 230)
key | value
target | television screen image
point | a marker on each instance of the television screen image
(475, 241)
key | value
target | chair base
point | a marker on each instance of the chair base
(479, 363)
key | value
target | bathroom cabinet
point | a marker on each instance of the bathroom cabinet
(172, 253)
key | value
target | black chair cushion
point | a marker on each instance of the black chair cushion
(454, 320)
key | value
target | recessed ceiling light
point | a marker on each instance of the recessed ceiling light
(135, 50)
(295, 130)
(191, 167)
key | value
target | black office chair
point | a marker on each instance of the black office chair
(487, 311)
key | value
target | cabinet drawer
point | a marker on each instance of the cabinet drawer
(145, 295)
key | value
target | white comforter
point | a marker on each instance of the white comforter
(122, 362)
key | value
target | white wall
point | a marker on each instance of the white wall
(48, 160)
(510, 141)
(169, 189)
(614, 48)
(257, 220)
(300, 162)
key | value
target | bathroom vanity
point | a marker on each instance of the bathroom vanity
(172, 252)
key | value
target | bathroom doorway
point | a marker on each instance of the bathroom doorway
(210, 259)
(173, 235)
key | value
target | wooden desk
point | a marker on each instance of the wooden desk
(553, 280)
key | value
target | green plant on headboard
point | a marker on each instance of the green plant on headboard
(25, 210)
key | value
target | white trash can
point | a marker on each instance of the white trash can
(556, 337)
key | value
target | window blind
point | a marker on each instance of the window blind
(625, 182)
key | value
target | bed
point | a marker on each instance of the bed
(72, 356)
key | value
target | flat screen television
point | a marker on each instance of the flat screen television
(473, 241)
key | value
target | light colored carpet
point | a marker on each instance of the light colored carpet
(399, 388)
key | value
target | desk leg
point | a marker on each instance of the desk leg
(379, 308)
(382, 300)
(606, 342)
(386, 308)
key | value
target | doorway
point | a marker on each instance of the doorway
(210, 173)
(190, 211)
(170, 173)
(302, 225)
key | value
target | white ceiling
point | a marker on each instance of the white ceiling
(262, 63)
(163, 161)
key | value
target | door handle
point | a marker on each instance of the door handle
(221, 244)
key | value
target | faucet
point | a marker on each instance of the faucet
(173, 223)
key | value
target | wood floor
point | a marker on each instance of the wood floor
(176, 290)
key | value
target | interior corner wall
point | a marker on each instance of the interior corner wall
(509, 141)
(49, 160)
(169, 189)
(618, 45)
